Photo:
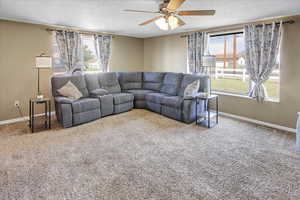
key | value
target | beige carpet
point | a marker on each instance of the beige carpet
(142, 155)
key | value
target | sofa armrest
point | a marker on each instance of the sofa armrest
(191, 97)
(64, 114)
(65, 100)
(99, 92)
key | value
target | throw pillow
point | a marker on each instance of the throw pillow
(192, 89)
(70, 90)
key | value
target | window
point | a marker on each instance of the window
(89, 56)
(90, 60)
(230, 73)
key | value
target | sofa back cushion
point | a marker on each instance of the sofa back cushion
(153, 80)
(190, 78)
(109, 81)
(171, 83)
(92, 81)
(58, 81)
(130, 80)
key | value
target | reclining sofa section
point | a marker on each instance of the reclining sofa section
(116, 92)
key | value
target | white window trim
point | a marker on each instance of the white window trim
(244, 96)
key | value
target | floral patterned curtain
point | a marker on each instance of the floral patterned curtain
(70, 49)
(197, 47)
(262, 47)
(103, 50)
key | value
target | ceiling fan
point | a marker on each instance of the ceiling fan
(168, 18)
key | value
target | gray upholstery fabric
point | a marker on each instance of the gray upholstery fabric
(153, 80)
(59, 81)
(64, 114)
(189, 110)
(139, 94)
(130, 80)
(106, 105)
(109, 82)
(83, 117)
(66, 100)
(92, 81)
(190, 78)
(120, 98)
(171, 83)
(172, 101)
(123, 107)
(153, 106)
(85, 104)
(155, 97)
(139, 104)
(98, 92)
(174, 113)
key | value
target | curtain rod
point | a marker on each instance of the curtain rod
(78, 31)
(214, 29)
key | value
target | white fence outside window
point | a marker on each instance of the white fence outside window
(239, 74)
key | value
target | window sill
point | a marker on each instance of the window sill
(243, 96)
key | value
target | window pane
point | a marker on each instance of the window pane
(230, 73)
(90, 59)
(272, 85)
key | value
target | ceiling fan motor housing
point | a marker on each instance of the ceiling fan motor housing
(163, 6)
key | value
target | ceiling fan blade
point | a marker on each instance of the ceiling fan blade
(180, 22)
(141, 11)
(196, 12)
(151, 20)
(174, 5)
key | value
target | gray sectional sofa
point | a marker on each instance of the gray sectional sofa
(116, 92)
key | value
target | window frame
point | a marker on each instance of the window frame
(236, 94)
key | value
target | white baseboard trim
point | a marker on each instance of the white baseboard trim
(267, 124)
(20, 119)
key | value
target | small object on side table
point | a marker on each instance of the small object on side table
(47, 112)
(205, 118)
(298, 134)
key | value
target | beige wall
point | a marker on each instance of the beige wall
(21, 42)
(169, 53)
(127, 54)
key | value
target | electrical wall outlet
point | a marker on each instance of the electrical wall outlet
(17, 103)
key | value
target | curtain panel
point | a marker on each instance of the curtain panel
(262, 48)
(70, 50)
(197, 48)
(103, 50)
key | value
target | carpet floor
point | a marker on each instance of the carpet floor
(143, 155)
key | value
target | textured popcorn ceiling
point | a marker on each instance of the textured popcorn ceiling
(108, 15)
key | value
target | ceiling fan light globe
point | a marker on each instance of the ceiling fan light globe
(162, 24)
(173, 22)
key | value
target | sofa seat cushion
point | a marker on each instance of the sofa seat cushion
(139, 94)
(172, 101)
(120, 98)
(155, 97)
(85, 104)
